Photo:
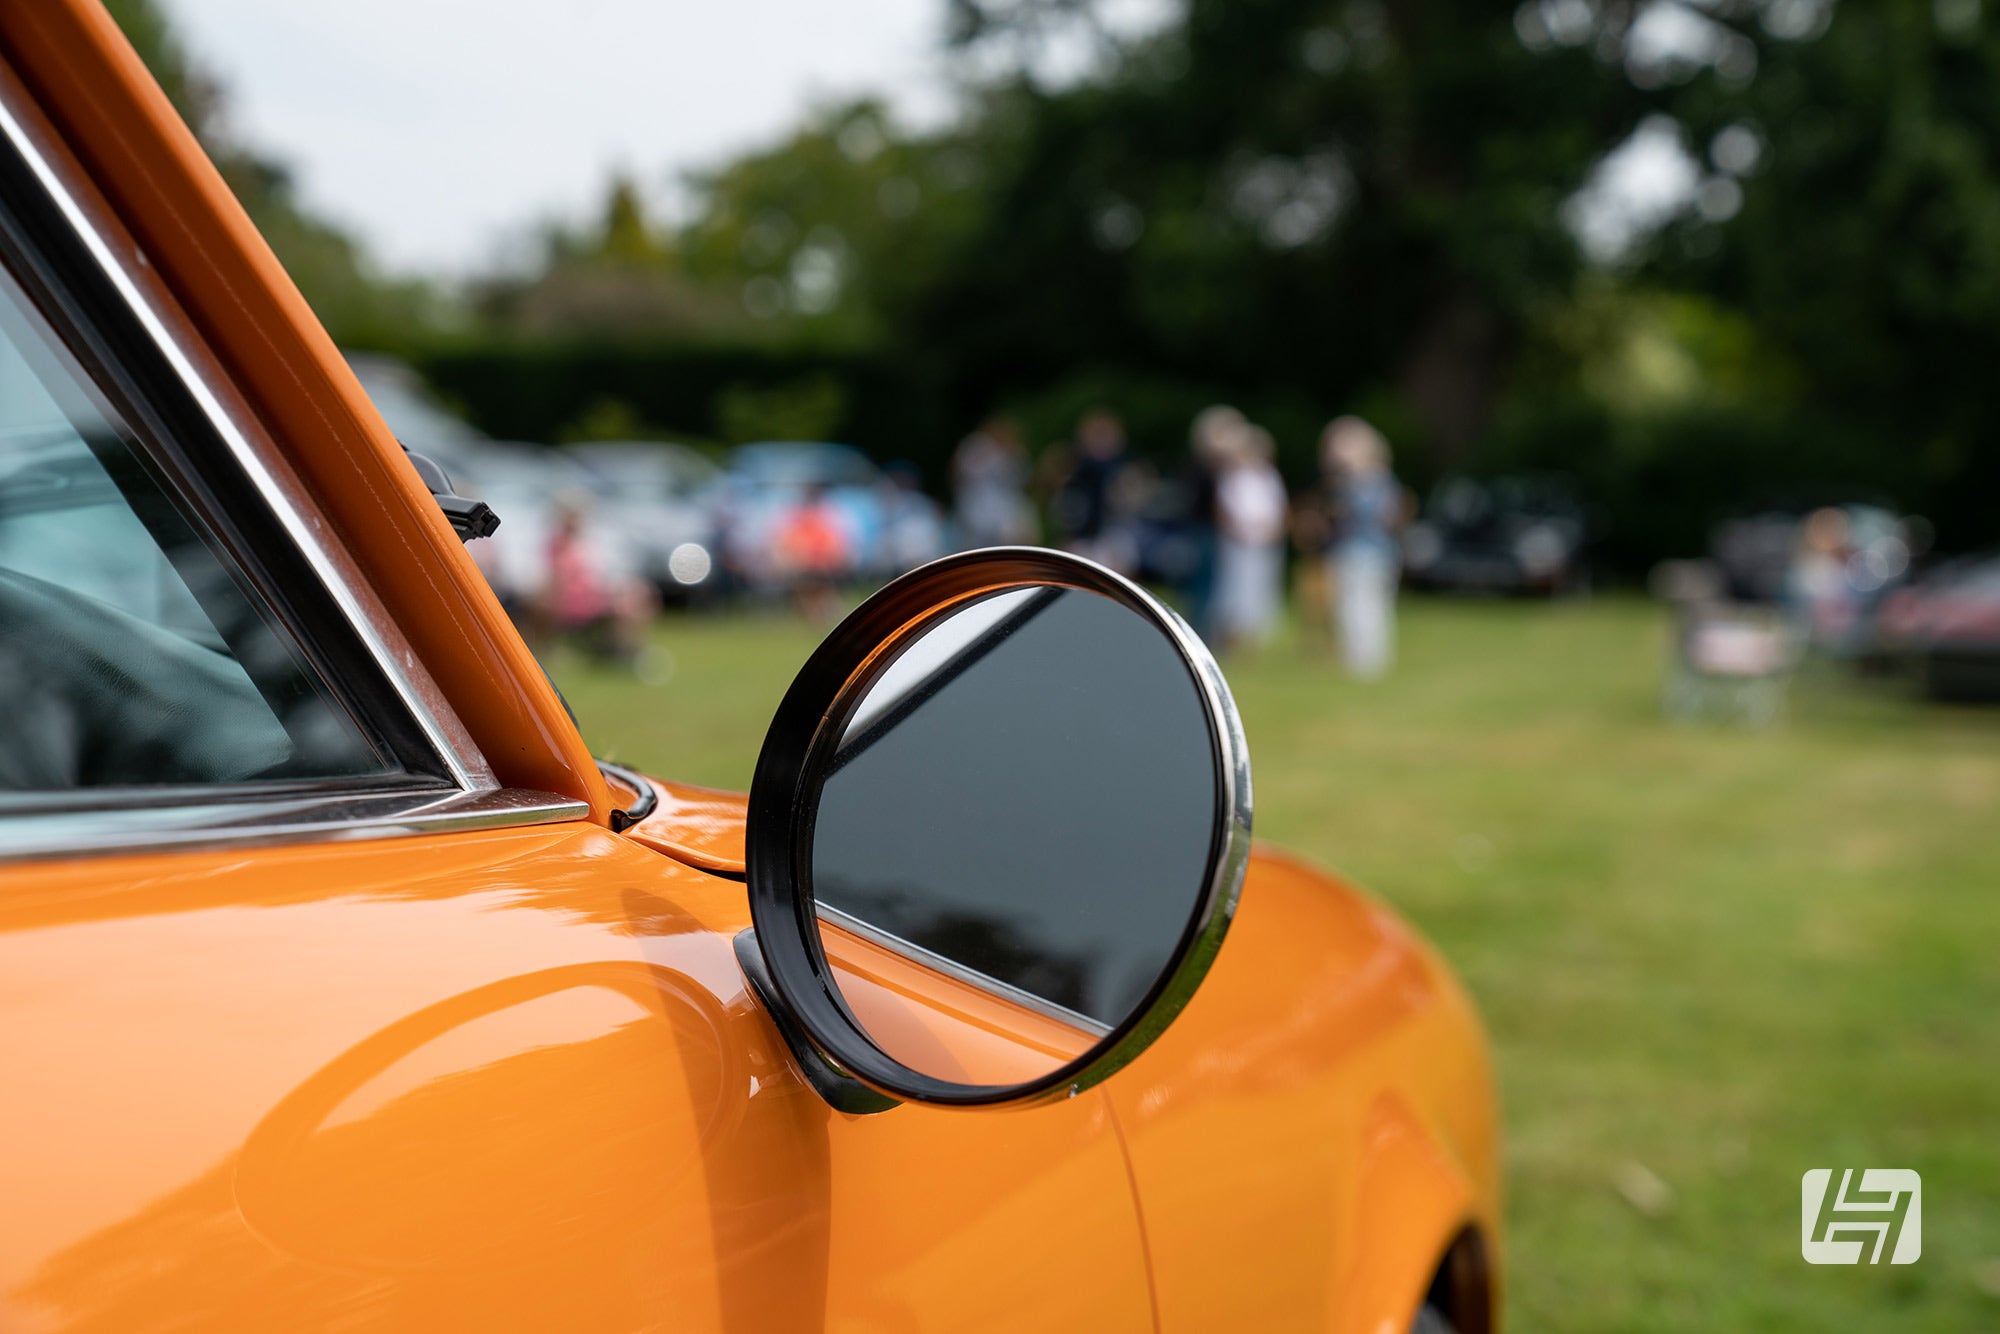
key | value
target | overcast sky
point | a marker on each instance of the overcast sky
(441, 130)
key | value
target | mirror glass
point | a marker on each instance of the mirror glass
(1014, 834)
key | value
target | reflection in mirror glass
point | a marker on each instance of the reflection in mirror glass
(1016, 825)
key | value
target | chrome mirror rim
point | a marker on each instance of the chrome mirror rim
(803, 731)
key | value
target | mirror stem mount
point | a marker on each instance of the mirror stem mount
(840, 1090)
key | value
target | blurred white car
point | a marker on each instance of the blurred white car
(887, 525)
(660, 499)
(524, 483)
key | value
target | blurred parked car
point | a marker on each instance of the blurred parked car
(767, 482)
(636, 494)
(524, 483)
(1832, 565)
(1174, 529)
(1756, 549)
(1947, 624)
(1505, 535)
(661, 500)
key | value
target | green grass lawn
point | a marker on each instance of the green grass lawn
(1707, 957)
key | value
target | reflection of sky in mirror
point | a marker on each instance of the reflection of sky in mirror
(936, 647)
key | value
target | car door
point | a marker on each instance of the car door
(326, 995)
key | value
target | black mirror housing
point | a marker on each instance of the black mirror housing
(996, 835)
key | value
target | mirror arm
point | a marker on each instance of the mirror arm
(840, 1090)
(469, 518)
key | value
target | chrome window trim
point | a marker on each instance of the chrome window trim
(309, 818)
(239, 432)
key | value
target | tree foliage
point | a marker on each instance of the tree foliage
(1867, 245)
(1345, 197)
(618, 278)
(835, 231)
(1311, 206)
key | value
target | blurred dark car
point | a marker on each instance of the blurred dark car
(1947, 624)
(662, 500)
(765, 483)
(1756, 549)
(1519, 535)
(1759, 554)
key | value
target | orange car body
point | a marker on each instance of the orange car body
(513, 1078)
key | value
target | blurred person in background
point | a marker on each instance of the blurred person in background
(1819, 593)
(813, 552)
(583, 602)
(989, 483)
(1368, 509)
(912, 530)
(1054, 462)
(1313, 591)
(1208, 443)
(1250, 538)
(1093, 509)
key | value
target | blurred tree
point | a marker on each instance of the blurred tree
(359, 306)
(628, 236)
(1850, 208)
(618, 278)
(807, 409)
(610, 418)
(1332, 195)
(1309, 206)
(830, 234)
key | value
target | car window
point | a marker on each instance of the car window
(131, 651)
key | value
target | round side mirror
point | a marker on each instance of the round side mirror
(996, 834)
